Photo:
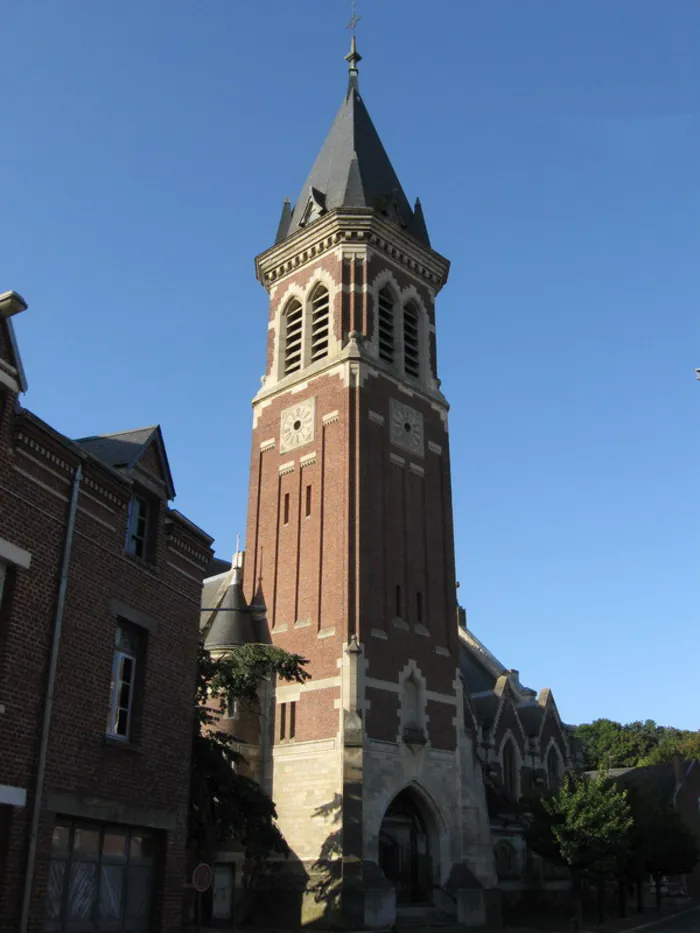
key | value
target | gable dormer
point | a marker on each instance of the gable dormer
(140, 455)
(11, 371)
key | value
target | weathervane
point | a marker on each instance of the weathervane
(354, 19)
(354, 57)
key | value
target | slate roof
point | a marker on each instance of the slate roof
(530, 715)
(486, 708)
(353, 170)
(233, 623)
(118, 450)
(123, 450)
(477, 676)
(660, 779)
(216, 566)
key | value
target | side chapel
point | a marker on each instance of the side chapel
(397, 768)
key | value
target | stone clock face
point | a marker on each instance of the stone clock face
(407, 428)
(297, 425)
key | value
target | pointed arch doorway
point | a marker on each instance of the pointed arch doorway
(405, 850)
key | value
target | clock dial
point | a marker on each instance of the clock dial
(407, 428)
(297, 425)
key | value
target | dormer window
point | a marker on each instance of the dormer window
(385, 325)
(320, 322)
(315, 206)
(293, 318)
(411, 342)
(138, 532)
(142, 527)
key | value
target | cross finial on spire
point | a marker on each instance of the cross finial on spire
(354, 19)
(353, 57)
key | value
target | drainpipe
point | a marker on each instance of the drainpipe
(48, 703)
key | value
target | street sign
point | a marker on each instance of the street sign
(202, 877)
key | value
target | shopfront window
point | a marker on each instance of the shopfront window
(100, 879)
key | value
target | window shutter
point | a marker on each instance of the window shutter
(320, 321)
(292, 338)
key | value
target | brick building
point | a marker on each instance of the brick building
(100, 583)
(380, 765)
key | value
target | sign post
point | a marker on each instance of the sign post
(201, 881)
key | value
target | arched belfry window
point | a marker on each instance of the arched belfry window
(509, 764)
(320, 322)
(552, 768)
(411, 340)
(385, 324)
(292, 336)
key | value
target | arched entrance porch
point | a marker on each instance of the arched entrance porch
(406, 851)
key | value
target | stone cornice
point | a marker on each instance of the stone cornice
(352, 228)
(351, 353)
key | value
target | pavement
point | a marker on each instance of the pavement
(685, 920)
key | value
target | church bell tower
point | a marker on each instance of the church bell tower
(349, 547)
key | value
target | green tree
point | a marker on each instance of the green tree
(661, 840)
(584, 826)
(674, 742)
(225, 804)
(609, 744)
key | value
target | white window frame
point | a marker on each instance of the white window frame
(120, 655)
(132, 526)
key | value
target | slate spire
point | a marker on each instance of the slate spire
(352, 170)
(353, 58)
(233, 623)
(285, 221)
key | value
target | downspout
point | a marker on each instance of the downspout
(48, 704)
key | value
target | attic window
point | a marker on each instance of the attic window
(320, 304)
(292, 337)
(410, 340)
(385, 325)
(139, 538)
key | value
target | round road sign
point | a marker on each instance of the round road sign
(201, 877)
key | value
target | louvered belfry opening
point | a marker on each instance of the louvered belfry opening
(411, 345)
(292, 337)
(320, 322)
(386, 325)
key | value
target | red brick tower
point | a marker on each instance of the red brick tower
(350, 548)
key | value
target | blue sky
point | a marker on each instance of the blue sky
(555, 147)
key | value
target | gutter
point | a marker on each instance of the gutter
(48, 703)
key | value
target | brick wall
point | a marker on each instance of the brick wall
(147, 778)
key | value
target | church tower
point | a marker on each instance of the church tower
(350, 549)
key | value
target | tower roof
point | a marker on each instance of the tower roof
(233, 623)
(353, 170)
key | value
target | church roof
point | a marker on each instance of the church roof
(352, 170)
